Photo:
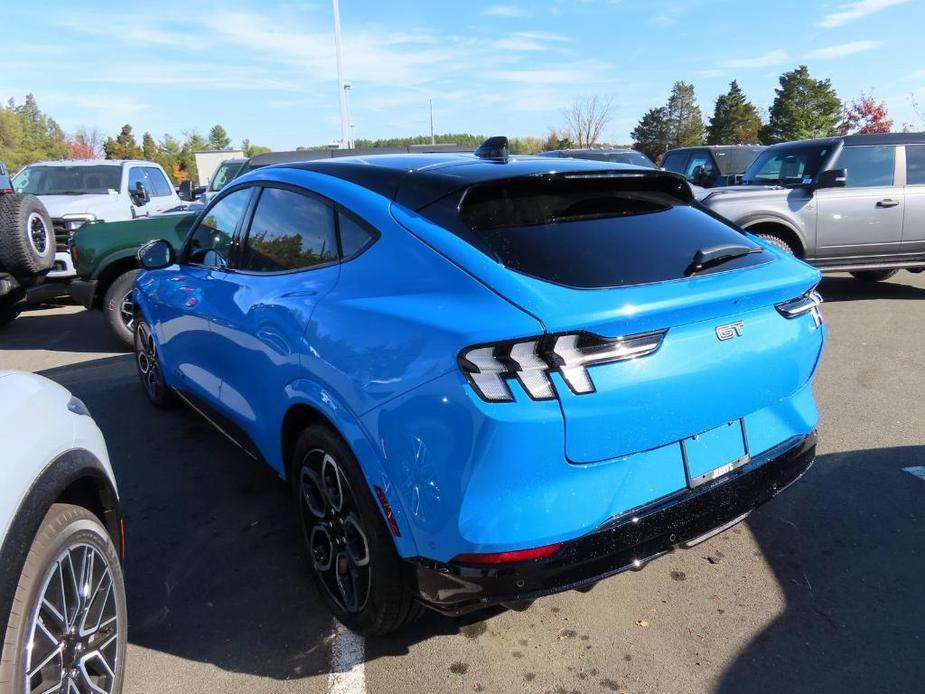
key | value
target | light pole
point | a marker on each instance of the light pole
(347, 108)
(432, 140)
(344, 111)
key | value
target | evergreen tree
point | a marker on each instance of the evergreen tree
(36, 136)
(218, 138)
(803, 108)
(683, 117)
(149, 148)
(123, 146)
(735, 120)
(650, 136)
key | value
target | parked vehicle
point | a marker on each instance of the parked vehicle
(77, 192)
(62, 594)
(105, 259)
(616, 155)
(854, 203)
(26, 246)
(713, 165)
(470, 407)
(225, 172)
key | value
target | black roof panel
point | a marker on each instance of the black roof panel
(416, 180)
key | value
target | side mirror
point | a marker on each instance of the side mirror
(198, 191)
(833, 178)
(185, 191)
(139, 195)
(155, 255)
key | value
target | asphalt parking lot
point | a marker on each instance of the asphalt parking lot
(822, 590)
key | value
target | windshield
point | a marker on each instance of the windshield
(635, 158)
(225, 173)
(787, 166)
(68, 180)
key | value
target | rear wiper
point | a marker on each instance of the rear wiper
(717, 255)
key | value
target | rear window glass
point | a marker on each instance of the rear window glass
(588, 232)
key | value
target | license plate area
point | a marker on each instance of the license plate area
(714, 453)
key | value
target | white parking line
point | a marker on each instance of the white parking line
(917, 470)
(348, 654)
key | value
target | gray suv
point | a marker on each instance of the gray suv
(853, 203)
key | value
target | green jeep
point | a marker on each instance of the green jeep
(104, 255)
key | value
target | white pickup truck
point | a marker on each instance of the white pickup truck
(77, 192)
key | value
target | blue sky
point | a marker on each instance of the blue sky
(266, 70)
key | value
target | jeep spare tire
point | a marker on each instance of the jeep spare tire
(27, 238)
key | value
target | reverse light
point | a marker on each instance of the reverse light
(530, 361)
(808, 303)
(509, 557)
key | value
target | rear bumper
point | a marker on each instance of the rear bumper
(625, 542)
(82, 291)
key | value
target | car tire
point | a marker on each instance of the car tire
(148, 365)
(119, 309)
(70, 542)
(350, 550)
(27, 237)
(873, 275)
(777, 242)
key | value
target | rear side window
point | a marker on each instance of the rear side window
(290, 231)
(867, 166)
(157, 182)
(915, 165)
(354, 237)
(588, 232)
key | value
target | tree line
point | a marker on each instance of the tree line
(803, 108)
(28, 135)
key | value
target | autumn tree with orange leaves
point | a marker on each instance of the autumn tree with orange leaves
(865, 115)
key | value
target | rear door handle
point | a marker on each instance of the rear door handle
(887, 202)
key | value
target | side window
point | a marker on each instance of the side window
(210, 242)
(289, 231)
(915, 165)
(867, 166)
(353, 236)
(136, 175)
(700, 158)
(675, 162)
(158, 185)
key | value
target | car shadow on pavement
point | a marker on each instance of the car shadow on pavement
(847, 546)
(851, 289)
(42, 328)
(215, 570)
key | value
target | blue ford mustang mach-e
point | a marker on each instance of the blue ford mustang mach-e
(487, 379)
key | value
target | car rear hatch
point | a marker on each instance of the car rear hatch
(654, 332)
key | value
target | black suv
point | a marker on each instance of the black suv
(27, 246)
(617, 155)
(711, 166)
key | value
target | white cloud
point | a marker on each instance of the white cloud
(841, 50)
(852, 11)
(531, 41)
(505, 11)
(769, 59)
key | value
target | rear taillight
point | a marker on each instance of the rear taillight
(530, 361)
(808, 303)
(515, 556)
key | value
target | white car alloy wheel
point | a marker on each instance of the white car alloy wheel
(74, 626)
